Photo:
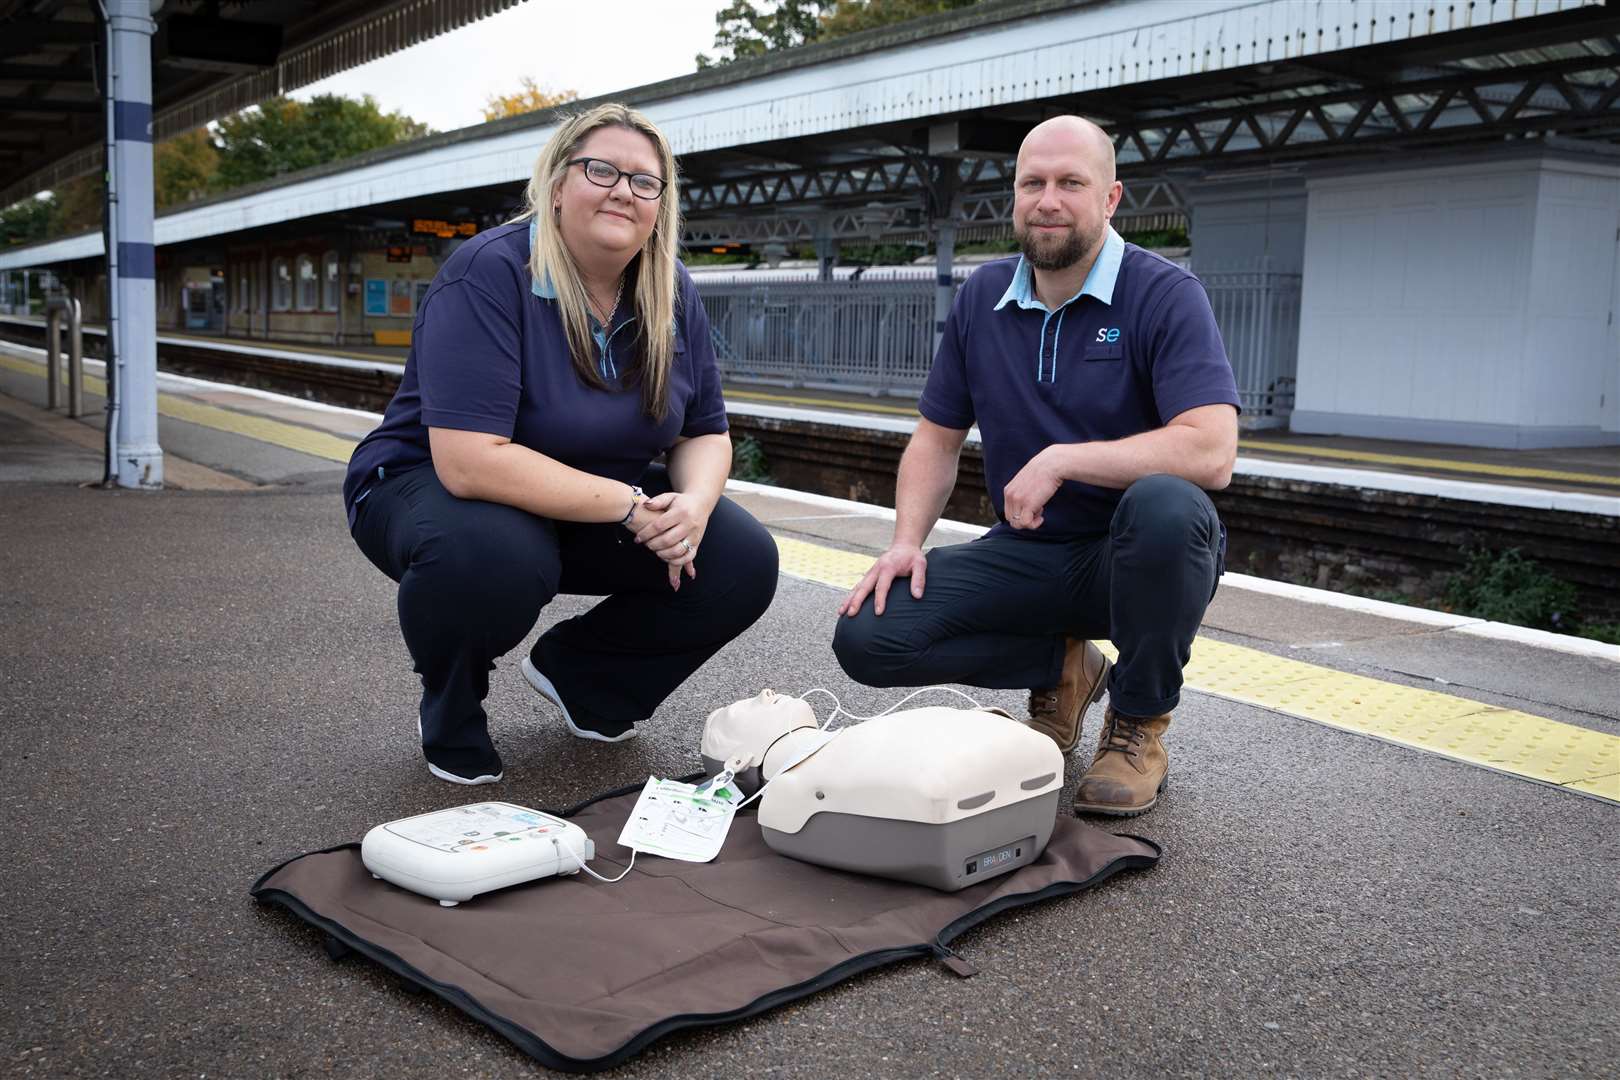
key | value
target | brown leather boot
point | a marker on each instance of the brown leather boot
(1056, 711)
(1130, 768)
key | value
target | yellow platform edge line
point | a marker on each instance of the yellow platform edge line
(288, 436)
(1482, 468)
(1472, 732)
(831, 403)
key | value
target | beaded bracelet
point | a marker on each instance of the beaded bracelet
(637, 497)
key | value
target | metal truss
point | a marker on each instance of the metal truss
(1579, 96)
(892, 200)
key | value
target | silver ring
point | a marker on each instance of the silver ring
(687, 544)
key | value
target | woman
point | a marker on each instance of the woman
(551, 361)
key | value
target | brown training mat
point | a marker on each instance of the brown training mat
(673, 945)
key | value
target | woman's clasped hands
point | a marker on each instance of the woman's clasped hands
(671, 526)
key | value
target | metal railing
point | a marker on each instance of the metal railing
(1257, 310)
(874, 336)
(878, 336)
(60, 309)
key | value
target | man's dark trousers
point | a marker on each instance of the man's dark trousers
(995, 612)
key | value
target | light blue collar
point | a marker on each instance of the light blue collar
(1099, 282)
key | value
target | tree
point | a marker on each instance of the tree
(79, 204)
(746, 29)
(27, 221)
(531, 98)
(184, 168)
(282, 135)
(853, 16)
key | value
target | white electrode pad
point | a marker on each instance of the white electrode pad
(680, 821)
(453, 855)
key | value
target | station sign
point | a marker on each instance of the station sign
(445, 230)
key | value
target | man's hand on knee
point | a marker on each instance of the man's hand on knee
(899, 561)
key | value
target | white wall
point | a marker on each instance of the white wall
(1236, 223)
(1465, 304)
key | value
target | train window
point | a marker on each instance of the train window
(307, 284)
(329, 281)
(280, 285)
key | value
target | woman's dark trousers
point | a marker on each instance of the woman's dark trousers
(995, 612)
(473, 577)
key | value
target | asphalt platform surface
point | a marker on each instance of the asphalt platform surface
(203, 684)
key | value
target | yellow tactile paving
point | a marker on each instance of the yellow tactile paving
(827, 403)
(1503, 739)
(1506, 740)
(292, 436)
(304, 440)
(1369, 457)
(825, 565)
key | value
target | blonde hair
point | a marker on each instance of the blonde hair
(655, 276)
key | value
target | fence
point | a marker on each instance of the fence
(878, 336)
(1257, 310)
(873, 336)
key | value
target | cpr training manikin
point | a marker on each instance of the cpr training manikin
(938, 796)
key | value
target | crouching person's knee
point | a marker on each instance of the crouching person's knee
(860, 648)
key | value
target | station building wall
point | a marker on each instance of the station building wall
(318, 293)
(1471, 304)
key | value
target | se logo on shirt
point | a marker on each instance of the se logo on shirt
(1109, 335)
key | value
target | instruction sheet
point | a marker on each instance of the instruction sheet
(676, 821)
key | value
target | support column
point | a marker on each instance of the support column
(946, 210)
(139, 457)
(826, 249)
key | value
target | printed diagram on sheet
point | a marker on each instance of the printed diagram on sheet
(671, 821)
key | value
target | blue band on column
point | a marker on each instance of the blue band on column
(137, 261)
(132, 121)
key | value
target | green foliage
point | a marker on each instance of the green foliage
(80, 203)
(1606, 632)
(282, 135)
(1506, 587)
(879, 254)
(853, 16)
(744, 29)
(749, 28)
(27, 221)
(748, 461)
(184, 168)
(1158, 238)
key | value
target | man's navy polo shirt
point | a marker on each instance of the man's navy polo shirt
(489, 353)
(1134, 348)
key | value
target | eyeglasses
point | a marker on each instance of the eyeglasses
(606, 174)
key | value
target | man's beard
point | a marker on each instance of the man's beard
(1054, 253)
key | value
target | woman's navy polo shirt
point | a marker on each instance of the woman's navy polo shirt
(489, 353)
(1134, 348)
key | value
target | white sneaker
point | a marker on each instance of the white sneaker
(477, 776)
(538, 680)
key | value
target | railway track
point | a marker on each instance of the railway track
(1332, 535)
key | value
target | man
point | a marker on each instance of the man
(1105, 404)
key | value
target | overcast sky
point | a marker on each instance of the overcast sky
(594, 47)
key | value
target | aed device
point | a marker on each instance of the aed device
(456, 854)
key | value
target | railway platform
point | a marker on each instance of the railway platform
(1593, 470)
(1389, 837)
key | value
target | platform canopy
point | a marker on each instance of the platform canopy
(209, 58)
(887, 132)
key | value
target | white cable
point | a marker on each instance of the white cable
(580, 859)
(838, 706)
